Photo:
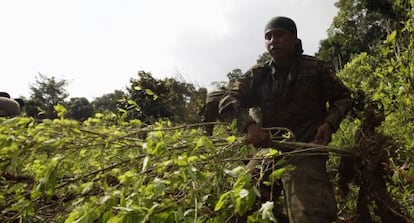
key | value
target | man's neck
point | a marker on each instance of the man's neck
(283, 64)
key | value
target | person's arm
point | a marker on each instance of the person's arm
(242, 96)
(340, 102)
(237, 101)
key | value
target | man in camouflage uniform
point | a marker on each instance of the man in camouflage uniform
(303, 94)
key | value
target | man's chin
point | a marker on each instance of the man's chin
(276, 56)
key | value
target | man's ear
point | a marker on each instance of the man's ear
(298, 47)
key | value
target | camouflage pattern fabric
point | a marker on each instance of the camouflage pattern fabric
(301, 106)
(308, 191)
(210, 110)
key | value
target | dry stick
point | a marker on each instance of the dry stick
(185, 126)
(297, 152)
(146, 130)
(301, 147)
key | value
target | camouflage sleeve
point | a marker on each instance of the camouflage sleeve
(338, 97)
(209, 111)
(237, 101)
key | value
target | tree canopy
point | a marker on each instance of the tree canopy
(46, 93)
(360, 26)
(149, 99)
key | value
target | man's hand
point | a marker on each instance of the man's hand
(324, 134)
(256, 136)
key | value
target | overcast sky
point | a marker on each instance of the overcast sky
(98, 45)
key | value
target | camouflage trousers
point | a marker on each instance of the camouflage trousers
(309, 197)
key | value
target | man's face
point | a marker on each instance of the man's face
(280, 44)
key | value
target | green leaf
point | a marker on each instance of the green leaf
(204, 142)
(131, 102)
(149, 91)
(277, 174)
(233, 125)
(231, 139)
(61, 111)
(181, 161)
(115, 219)
(243, 199)
(272, 153)
(200, 142)
(87, 187)
(222, 201)
(391, 37)
(127, 176)
(72, 217)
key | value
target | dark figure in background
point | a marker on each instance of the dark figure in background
(209, 112)
(10, 107)
(303, 94)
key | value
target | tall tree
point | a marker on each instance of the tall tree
(46, 93)
(234, 75)
(360, 26)
(383, 83)
(79, 109)
(263, 58)
(149, 99)
(109, 102)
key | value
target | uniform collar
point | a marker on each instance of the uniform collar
(292, 70)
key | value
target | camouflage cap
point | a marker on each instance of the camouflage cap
(281, 22)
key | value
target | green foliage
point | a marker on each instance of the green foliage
(234, 75)
(360, 26)
(149, 99)
(79, 109)
(108, 102)
(63, 170)
(265, 57)
(106, 169)
(386, 76)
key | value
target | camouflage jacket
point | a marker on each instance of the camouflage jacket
(311, 95)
